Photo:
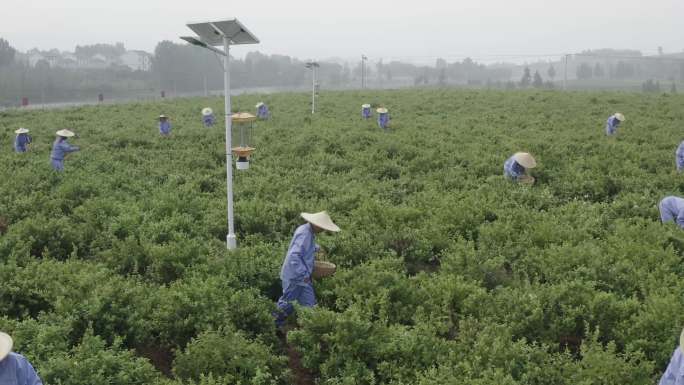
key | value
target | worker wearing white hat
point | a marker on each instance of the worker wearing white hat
(164, 125)
(674, 374)
(60, 148)
(262, 111)
(613, 122)
(366, 112)
(22, 140)
(672, 210)
(208, 117)
(383, 117)
(299, 264)
(515, 167)
(15, 369)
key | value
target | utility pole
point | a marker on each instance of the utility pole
(312, 65)
(565, 72)
(363, 71)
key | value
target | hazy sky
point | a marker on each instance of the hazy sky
(392, 29)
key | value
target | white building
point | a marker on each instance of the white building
(137, 60)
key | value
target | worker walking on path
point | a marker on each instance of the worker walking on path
(60, 148)
(299, 265)
(674, 374)
(672, 210)
(164, 125)
(515, 167)
(613, 123)
(22, 140)
(15, 369)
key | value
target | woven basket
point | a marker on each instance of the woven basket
(323, 269)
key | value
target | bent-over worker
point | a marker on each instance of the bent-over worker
(15, 369)
(299, 265)
(672, 210)
(515, 167)
(674, 374)
(679, 156)
(613, 123)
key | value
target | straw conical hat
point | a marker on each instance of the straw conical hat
(381, 110)
(21, 130)
(259, 104)
(525, 159)
(620, 117)
(65, 133)
(365, 106)
(207, 111)
(322, 220)
(5, 345)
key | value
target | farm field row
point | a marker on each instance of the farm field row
(116, 270)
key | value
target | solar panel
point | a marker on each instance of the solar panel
(212, 32)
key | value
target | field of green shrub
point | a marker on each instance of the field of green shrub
(116, 271)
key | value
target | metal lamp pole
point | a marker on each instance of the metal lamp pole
(313, 89)
(217, 33)
(231, 241)
(313, 65)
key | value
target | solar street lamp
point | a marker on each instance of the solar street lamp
(209, 35)
(312, 65)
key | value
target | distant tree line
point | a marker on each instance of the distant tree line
(182, 68)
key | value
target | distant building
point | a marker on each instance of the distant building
(136, 60)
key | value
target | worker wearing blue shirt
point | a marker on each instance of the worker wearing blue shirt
(613, 122)
(22, 140)
(262, 111)
(208, 117)
(679, 156)
(672, 210)
(298, 266)
(515, 167)
(15, 368)
(366, 111)
(674, 374)
(383, 118)
(164, 125)
(60, 148)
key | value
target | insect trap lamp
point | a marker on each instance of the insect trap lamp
(244, 124)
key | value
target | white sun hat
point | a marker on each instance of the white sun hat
(65, 133)
(5, 345)
(206, 111)
(381, 110)
(259, 104)
(162, 116)
(322, 220)
(620, 117)
(21, 130)
(365, 106)
(525, 159)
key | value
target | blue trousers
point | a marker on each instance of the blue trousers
(57, 164)
(301, 292)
